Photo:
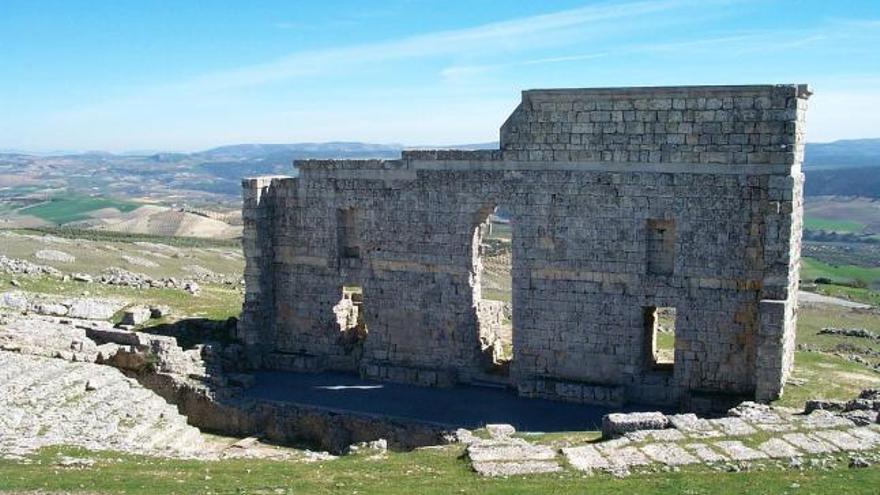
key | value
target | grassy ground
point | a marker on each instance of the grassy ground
(215, 302)
(866, 296)
(831, 225)
(823, 374)
(96, 253)
(848, 211)
(812, 269)
(426, 471)
(69, 208)
(110, 236)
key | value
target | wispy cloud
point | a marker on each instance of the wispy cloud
(735, 43)
(460, 72)
(491, 39)
(615, 36)
(497, 36)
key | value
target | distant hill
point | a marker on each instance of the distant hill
(214, 175)
(863, 182)
(849, 153)
(339, 149)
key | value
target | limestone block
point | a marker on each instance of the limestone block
(616, 424)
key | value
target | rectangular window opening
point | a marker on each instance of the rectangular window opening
(660, 249)
(660, 333)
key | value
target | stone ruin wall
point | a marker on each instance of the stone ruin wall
(587, 175)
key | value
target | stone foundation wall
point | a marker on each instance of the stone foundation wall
(620, 200)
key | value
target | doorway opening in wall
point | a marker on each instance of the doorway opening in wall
(349, 313)
(493, 288)
(660, 334)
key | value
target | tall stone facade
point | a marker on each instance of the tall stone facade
(621, 201)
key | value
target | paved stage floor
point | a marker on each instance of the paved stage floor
(461, 406)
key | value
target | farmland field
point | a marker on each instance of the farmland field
(815, 223)
(64, 209)
(812, 269)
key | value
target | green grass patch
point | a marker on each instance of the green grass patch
(215, 302)
(812, 269)
(822, 374)
(830, 225)
(441, 471)
(110, 236)
(812, 319)
(70, 208)
(825, 376)
(865, 296)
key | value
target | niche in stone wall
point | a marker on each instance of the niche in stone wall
(660, 246)
(493, 288)
(347, 238)
(660, 336)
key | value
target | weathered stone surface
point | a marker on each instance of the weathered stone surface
(93, 309)
(843, 440)
(762, 416)
(706, 453)
(51, 402)
(667, 435)
(862, 417)
(868, 435)
(669, 454)
(808, 443)
(515, 468)
(509, 450)
(732, 426)
(15, 299)
(46, 336)
(511, 456)
(616, 424)
(135, 315)
(627, 457)
(820, 419)
(499, 431)
(604, 188)
(24, 267)
(693, 426)
(777, 448)
(585, 458)
(739, 452)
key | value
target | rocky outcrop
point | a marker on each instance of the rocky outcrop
(88, 308)
(23, 267)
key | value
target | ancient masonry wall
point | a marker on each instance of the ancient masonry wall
(587, 176)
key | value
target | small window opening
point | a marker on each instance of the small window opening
(660, 330)
(660, 247)
(350, 313)
(347, 234)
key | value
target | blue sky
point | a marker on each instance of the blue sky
(187, 75)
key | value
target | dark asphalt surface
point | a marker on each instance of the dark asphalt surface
(461, 406)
